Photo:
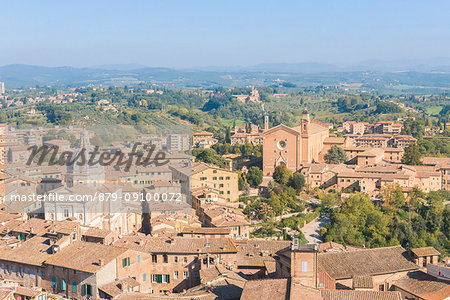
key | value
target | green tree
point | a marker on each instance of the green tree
(241, 182)
(297, 182)
(254, 176)
(282, 174)
(209, 156)
(329, 200)
(247, 149)
(336, 155)
(412, 155)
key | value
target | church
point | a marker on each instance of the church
(294, 146)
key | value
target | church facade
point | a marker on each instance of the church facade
(293, 146)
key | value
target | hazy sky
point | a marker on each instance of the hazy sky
(188, 33)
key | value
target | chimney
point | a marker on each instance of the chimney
(100, 262)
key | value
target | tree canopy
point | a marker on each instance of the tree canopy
(336, 155)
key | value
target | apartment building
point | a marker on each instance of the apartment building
(387, 127)
(442, 165)
(353, 127)
(402, 141)
(173, 264)
(203, 140)
(80, 269)
(241, 136)
(177, 142)
(373, 140)
(220, 216)
(206, 175)
(391, 155)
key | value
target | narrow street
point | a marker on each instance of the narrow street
(311, 230)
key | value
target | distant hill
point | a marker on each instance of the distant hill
(420, 78)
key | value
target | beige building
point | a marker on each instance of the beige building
(225, 181)
(373, 140)
(442, 165)
(203, 140)
(387, 127)
(241, 136)
(353, 127)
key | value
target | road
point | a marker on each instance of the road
(311, 230)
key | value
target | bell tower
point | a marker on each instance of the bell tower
(266, 123)
(305, 121)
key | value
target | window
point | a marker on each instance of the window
(87, 289)
(154, 258)
(63, 285)
(175, 259)
(144, 277)
(165, 258)
(66, 213)
(185, 274)
(125, 262)
(53, 282)
(166, 278)
(154, 278)
(74, 287)
(185, 259)
(304, 266)
(138, 258)
(175, 274)
(160, 278)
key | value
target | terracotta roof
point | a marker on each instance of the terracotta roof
(113, 289)
(191, 295)
(33, 225)
(359, 295)
(362, 282)
(302, 292)
(341, 265)
(269, 289)
(425, 251)
(424, 286)
(255, 252)
(28, 292)
(435, 160)
(198, 167)
(85, 256)
(177, 244)
(5, 217)
(206, 230)
(203, 133)
(6, 293)
(334, 140)
(374, 137)
(330, 246)
(31, 252)
(97, 232)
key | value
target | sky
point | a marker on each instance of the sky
(191, 33)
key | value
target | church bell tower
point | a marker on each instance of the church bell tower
(305, 121)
